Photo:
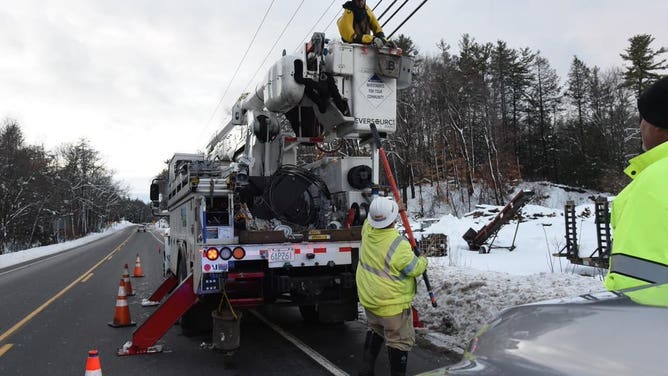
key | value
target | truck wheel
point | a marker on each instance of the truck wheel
(309, 313)
(332, 314)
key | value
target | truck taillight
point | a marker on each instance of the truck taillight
(238, 253)
(225, 253)
(212, 253)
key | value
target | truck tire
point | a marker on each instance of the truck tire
(309, 313)
(332, 313)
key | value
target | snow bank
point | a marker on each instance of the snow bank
(18, 257)
(468, 298)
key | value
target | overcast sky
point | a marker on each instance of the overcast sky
(141, 80)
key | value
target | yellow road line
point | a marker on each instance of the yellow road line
(5, 348)
(39, 309)
(87, 278)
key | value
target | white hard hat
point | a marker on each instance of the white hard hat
(382, 212)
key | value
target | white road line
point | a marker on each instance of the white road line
(47, 258)
(161, 241)
(329, 366)
(41, 308)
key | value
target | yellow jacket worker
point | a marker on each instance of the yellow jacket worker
(386, 286)
(357, 24)
(640, 212)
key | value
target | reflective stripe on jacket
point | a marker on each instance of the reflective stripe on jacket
(386, 271)
(640, 223)
(356, 33)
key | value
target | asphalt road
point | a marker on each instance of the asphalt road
(56, 309)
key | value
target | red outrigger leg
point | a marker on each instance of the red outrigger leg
(164, 317)
(165, 288)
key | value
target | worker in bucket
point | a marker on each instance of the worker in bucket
(386, 284)
(639, 213)
(358, 22)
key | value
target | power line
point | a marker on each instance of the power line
(240, 63)
(395, 12)
(406, 19)
(274, 45)
(376, 6)
(332, 20)
(340, 10)
(316, 23)
(386, 9)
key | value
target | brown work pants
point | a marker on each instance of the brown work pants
(397, 330)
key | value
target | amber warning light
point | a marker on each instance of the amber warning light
(212, 254)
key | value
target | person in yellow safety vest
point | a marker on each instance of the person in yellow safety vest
(640, 212)
(358, 22)
(386, 286)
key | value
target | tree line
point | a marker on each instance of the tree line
(473, 123)
(489, 115)
(47, 197)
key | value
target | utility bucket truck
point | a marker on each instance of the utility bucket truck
(250, 223)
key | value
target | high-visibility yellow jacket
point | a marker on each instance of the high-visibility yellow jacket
(386, 271)
(640, 223)
(656, 296)
(359, 32)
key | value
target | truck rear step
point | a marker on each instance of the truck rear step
(245, 289)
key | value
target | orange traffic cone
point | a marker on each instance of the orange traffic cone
(122, 313)
(129, 291)
(138, 272)
(93, 367)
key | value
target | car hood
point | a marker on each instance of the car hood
(609, 333)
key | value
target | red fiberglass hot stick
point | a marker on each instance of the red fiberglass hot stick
(402, 211)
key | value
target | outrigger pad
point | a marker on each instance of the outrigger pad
(129, 349)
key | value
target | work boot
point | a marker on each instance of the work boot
(372, 345)
(398, 361)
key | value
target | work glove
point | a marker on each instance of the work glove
(378, 42)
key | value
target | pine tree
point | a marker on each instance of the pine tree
(406, 44)
(578, 79)
(644, 65)
(544, 99)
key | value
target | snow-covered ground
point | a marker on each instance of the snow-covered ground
(10, 259)
(471, 288)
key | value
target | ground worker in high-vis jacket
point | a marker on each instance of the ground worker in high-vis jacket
(640, 212)
(386, 286)
(358, 22)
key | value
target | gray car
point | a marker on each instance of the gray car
(607, 333)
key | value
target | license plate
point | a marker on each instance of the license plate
(277, 255)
